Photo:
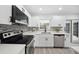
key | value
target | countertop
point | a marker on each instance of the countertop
(31, 33)
(11, 48)
(76, 48)
(39, 32)
(60, 32)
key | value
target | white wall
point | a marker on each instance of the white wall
(5, 13)
(72, 17)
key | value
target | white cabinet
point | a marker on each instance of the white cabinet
(57, 21)
(44, 40)
(12, 48)
(5, 13)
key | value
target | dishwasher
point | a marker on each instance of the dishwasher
(59, 40)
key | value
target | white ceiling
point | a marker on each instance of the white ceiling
(52, 9)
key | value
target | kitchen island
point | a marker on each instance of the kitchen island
(12, 49)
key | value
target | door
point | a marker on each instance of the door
(49, 41)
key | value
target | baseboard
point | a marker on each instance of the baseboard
(42, 47)
(50, 47)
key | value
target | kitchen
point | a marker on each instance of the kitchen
(39, 29)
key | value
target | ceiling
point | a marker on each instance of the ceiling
(52, 9)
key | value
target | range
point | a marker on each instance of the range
(17, 37)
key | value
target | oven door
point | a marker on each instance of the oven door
(30, 48)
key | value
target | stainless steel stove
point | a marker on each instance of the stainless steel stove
(16, 37)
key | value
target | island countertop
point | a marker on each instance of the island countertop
(12, 48)
(31, 33)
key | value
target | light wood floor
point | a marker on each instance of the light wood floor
(54, 51)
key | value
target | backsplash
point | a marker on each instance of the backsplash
(4, 27)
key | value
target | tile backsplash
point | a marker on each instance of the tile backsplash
(4, 27)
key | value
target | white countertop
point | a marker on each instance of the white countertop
(76, 48)
(39, 32)
(31, 33)
(61, 32)
(11, 48)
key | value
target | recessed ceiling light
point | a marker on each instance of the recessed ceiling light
(41, 9)
(60, 8)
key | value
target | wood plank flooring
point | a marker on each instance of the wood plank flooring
(53, 51)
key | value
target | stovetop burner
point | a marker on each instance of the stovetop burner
(15, 38)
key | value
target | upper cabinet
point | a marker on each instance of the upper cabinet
(57, 21)
(5, 13)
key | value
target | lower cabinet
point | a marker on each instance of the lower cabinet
(45, 40)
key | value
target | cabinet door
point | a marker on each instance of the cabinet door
(46, 40)
(49, 40)
(42, 42)
(39, 40)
